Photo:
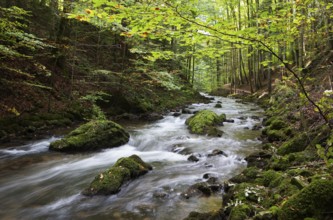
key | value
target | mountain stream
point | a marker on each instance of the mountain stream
(39, 184)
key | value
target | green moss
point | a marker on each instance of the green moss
(222, 117)
(138, 160)
(251, 172)
(110, 181)
(276, 135)
(248, 175)
(313, 201)
(213, 131)
(294, 159)
(91, 136)
(296, 144)
(203, 121)
(204, 216)
(277, 124)
(270, 120)
(285, 188)
(134, 164)
(241, 212)
(300, 172)
(268, 177)
(59, 122)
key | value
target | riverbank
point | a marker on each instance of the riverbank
(291, 177)
(70, 79)
(137, 100)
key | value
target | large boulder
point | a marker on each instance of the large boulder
(110, 181)
(205, 122)
(314, 201)
(295, 144)
(93, 135)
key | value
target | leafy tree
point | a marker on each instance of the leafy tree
(15, 42)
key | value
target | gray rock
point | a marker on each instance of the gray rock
(193, 158)
(217, 152)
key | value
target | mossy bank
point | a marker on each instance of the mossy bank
(288, 178)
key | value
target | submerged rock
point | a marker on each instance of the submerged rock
(256, 127)
(177, 114)
(179, 149)
(217, 152)
(193, 158)
(218, 105)
(201, 189)
(205, 122)
(93, 135)
(255, 117)
(110, 181)
(186, 111)
(160, 194)
(151, 117)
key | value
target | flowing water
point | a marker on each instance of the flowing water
(38, 184)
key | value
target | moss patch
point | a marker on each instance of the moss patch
(215, 215)
(110, 181)
(240, 212)
(203, 122)
(92, 136)
(296, 144)
(313, 201)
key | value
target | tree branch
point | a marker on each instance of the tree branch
(270, 50)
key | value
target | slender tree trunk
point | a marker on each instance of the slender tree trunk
(301, 40)
(193, 70)
(240, 50)
(218, 73)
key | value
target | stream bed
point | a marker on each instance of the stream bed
(38, 184)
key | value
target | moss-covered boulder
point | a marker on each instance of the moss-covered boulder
(93, 135)
(296, 144)
(110, 181)
(248, 175)
(275, 135)
(205, 122)
(315, 201)
(241, 212)
(270, 178)
(214, 215)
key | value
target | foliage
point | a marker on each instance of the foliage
(97, 112)
(326, 152)
(210, 30)
(15, 41)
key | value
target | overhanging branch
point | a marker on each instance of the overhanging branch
(269, 49)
